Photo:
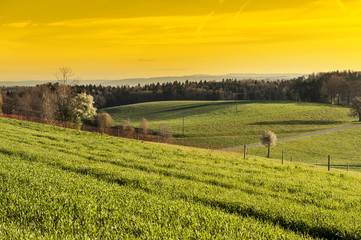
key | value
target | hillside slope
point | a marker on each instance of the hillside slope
(221, 124)
(60, 183)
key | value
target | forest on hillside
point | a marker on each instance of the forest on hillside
(331, 87)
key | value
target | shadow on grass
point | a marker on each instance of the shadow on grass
(217, 103)
(297, 122)
(200, 105)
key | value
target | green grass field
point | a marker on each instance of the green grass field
(223, 124)
(343, 146)
(59, 183)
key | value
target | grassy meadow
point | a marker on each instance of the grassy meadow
(343, 146)
(59, 183)
(221, 124)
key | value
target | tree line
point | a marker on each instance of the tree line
(52, 100)
(332, 87)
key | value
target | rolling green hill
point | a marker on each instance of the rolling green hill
(59, 183)
(223, 124)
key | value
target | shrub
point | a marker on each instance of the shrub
(104, 120)
(165, 132)
(144, 126)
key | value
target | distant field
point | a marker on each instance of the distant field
(65, 184)
(220, 124)
(343, 146)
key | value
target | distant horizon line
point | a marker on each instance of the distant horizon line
(166, 76)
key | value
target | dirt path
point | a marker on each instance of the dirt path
(292, 138)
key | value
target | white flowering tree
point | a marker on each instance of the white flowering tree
(83, 107)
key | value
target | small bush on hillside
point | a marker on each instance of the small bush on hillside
(269, 139)
(104, 120)
(144, 126)
(165, 132)
(126, 126)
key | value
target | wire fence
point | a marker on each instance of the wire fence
(329, 164)
(326, 162)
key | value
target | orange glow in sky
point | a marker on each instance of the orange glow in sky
(114, 39)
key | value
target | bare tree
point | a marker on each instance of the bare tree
(30, 101)
(144, 126)
(64, 103)
(269, 139)
(126, 126)
(356, 107)
(65, 75)
(165, 131)
(48, 104)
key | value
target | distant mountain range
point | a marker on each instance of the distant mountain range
(143, 81)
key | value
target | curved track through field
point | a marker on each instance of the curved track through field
(292, 138)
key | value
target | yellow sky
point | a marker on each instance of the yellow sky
(113, 39)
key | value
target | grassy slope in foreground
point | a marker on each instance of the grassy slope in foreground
(343, 146)
(59, 183)
(227, 124)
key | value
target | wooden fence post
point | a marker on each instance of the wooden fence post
(282, 157)
(329, 162)
(183, 126)
(291, 159)
(245, 151)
